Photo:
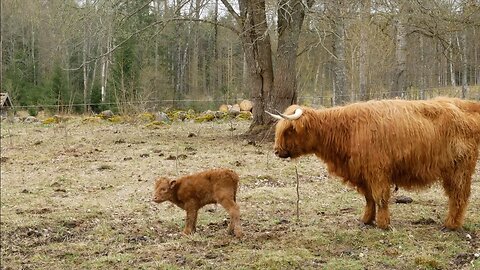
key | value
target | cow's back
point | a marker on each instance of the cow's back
(412, 141)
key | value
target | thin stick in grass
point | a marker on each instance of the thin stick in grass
(298, 195)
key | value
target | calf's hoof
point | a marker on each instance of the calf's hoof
(187, 232)
(238, 234)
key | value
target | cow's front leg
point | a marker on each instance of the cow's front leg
(191, 220)
(370, 209)
(381, 195)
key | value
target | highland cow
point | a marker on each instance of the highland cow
(378, 144)
(194, 191)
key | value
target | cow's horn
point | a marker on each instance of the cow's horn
(275, 116)
(298, 112)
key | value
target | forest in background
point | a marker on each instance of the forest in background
(89, 55)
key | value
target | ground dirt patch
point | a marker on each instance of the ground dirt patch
(77, 195)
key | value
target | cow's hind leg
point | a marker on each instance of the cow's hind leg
(234, 211)
(370, 209)
(457, 186)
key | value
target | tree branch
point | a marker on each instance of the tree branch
(232, 12)
(163, 22)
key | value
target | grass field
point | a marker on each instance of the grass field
(77, 195)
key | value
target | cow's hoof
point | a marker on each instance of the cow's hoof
(367, 225)
(386, 227)
(447, 229)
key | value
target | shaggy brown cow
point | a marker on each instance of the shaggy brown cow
(194, 191)
(374, 145)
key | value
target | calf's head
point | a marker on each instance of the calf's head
(164, 190)
(292, 138)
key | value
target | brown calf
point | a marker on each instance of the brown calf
(194, 191)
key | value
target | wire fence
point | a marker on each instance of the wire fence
(473, 93)
(214, 104)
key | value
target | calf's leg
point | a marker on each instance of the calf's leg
(234, 211)
(191, 220)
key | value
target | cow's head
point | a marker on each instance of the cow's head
(292, 138)
(163, 190)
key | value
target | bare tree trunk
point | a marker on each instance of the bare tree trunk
(84, 63)
(315, 82)
(33, 58)
(72, 93)
(215, 68)
(195, 49)
(476, 70)
(464, 65)
(341, 93)
(422, 75)
(438, 64)
(103, 79)
(85, 73)
(450, 62)
(245, 77)
(362, 67)
(1, 44)
(94, 72)
(398, 88)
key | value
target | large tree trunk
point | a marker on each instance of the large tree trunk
(290, 20)
(258, 56)
(256, 45)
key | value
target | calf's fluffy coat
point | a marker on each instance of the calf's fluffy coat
(194, 191)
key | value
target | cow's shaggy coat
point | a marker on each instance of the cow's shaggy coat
(194, 191)
(374, 145)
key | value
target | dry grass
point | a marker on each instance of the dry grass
(78, 195)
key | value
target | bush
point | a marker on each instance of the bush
(32, 111)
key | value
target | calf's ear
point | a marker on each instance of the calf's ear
(172, 183)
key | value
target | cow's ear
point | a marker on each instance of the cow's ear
(172, 183)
